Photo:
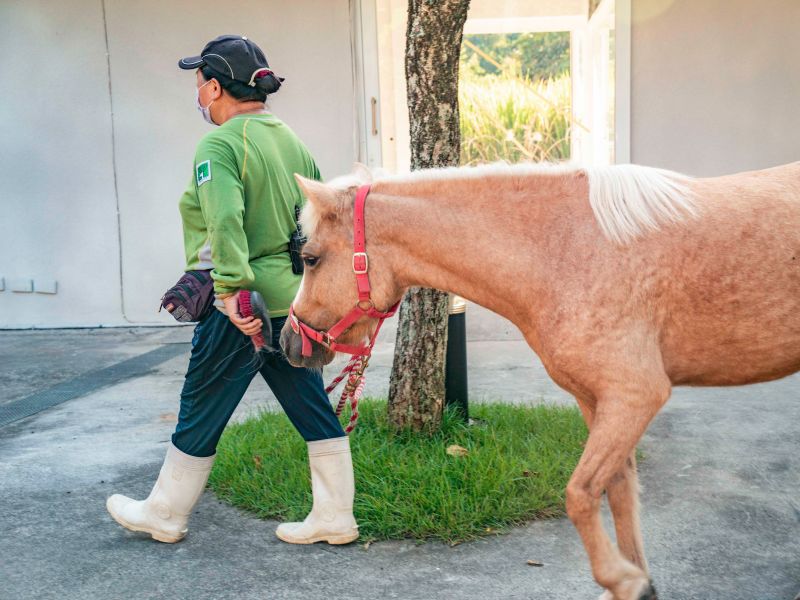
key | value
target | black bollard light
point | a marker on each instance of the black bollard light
(455, 375)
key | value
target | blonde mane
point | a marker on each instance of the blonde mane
(627, 200)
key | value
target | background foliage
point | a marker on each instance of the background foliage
(515, 98)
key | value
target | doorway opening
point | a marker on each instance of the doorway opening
(539, 81)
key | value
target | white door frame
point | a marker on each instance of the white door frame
(366, 83)
(590, 91)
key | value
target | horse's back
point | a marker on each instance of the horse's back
(732, 301)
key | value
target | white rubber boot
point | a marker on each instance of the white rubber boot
(331, 518)
(166, 511)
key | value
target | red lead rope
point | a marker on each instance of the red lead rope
(356, 379)
(355, 368)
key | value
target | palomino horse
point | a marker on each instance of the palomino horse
(625, 280)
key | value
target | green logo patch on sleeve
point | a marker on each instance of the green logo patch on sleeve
(203, 172)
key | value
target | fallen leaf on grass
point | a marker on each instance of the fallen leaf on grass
(257, 461)
(456, 450)
(535, 563)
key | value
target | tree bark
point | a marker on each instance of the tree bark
(433, 46)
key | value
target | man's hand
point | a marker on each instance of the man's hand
(249, 325)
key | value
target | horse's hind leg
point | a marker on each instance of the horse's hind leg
(621, 417)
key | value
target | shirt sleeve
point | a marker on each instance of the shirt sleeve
(221, 195)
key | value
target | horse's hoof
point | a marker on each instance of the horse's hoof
(649, 593)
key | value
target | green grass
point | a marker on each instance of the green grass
(407, 486)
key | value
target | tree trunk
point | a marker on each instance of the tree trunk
(433, 46)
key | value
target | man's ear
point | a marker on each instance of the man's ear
(323, 197)
(362, 173)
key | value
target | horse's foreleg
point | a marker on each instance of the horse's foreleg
(619, 421)
(623, 498)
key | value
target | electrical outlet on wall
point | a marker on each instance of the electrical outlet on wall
(23, 286)
(45, 286)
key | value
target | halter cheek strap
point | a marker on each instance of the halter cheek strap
(363, 308)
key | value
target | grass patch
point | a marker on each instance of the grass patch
(518, 462)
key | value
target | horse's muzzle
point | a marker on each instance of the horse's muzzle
(292, 346)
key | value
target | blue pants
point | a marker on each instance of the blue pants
(221, 367)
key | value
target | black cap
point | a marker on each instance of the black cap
(234, 57)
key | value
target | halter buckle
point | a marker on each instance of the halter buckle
(370, 305)
(363, 267)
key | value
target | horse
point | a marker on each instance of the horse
(625, 280)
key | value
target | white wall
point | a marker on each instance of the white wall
(715, 88)
(715, 84)
(58, 206)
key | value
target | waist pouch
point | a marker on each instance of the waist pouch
(191, 298)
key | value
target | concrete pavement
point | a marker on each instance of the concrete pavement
(721, 501)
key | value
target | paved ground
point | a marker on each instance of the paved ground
(721, 493)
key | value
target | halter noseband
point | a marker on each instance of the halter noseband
(363, 308)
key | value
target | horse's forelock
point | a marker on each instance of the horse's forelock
(309, 219)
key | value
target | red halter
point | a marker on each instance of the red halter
(363, 308)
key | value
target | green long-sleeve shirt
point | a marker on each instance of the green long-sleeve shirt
(238, 211)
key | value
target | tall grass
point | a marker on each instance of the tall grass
(511, 118)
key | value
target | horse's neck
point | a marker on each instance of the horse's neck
(489, 240)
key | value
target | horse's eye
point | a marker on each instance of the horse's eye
(310, 261)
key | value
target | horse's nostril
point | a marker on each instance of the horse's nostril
(285, 342)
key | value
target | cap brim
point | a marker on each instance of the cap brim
(192, 62)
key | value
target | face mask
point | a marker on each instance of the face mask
(204, 110)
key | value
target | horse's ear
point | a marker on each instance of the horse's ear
(362, 172)
(317, 192)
